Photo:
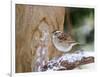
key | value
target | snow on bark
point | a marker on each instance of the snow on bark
(70, 61)
(42, 50)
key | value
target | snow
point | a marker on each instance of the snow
(54, 64)
(42, 50)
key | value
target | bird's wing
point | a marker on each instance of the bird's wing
(68, 37)
(65, 37)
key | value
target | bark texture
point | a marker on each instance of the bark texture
(28, 20)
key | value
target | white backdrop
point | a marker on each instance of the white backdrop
(5, 38)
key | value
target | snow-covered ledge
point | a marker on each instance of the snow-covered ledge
(70, 61)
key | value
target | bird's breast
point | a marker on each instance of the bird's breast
(61, 46)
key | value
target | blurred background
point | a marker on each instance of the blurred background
(80, 23)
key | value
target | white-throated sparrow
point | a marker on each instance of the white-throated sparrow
(64, 42)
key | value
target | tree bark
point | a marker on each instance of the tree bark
(28, 19)
(68, 20)
(66, 65)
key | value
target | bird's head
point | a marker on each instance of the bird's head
(56, 33)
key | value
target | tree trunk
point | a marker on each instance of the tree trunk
(68, 21)
(28, 20)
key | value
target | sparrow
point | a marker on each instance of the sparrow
(64, 42)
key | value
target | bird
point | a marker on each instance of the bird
(64, 42)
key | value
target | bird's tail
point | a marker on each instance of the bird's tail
(80, 44)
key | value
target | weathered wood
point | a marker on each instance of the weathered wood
(28, 19)
(56, 66)
(70, 66)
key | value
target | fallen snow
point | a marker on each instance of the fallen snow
(54, 64)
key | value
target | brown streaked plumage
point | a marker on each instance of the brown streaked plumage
(63, 41)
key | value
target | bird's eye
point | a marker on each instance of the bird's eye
(55, 33)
